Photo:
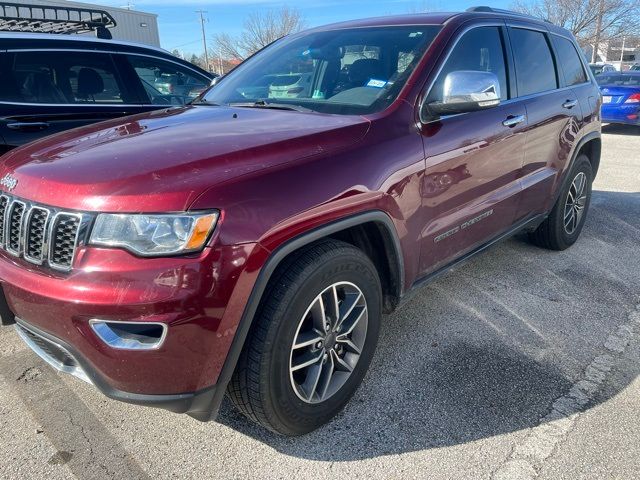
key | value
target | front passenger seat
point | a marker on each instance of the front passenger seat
(90, 83)
(365, 69)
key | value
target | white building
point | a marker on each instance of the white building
(132, 26)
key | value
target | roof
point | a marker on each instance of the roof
(435, 18)
(75, 38)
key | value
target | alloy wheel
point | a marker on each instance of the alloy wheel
(328, 342)
(575, 203)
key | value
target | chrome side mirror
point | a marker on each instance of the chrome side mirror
(467, 91)
(216, 80)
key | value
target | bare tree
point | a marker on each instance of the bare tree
(260, 29)
(591, 21)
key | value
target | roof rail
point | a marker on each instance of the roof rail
(504, 11)
(20, 17)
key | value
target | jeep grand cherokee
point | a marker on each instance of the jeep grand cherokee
(250, 245)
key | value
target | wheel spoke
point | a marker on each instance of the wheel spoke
(346, 341)
(335, 307)
(340, 363)
(348, 305)
(306, 360)
(307, 339)
(325, 378)
(350, 323)
(318, 314)
(311, 383)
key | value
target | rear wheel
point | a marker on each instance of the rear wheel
(564, 224)
(312, 341)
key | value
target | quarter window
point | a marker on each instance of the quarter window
(480, 49)
(166, 83)
(569, 58)
(535, 69)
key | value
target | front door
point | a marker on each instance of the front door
(471, 187)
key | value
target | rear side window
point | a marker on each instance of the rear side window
(60, 78)
(480, 49)
(569, 59)
(535, 69)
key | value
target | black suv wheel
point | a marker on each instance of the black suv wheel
(313, 339)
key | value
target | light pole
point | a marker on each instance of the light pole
(204, 37)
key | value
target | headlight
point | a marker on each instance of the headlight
(154, 235)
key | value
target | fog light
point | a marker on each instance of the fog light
(130, 335)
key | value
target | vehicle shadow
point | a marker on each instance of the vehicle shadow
(620, 129)
(488, 348)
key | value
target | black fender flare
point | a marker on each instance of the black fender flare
(379, 217)
(596, 135)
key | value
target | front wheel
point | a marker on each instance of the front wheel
(564, 224)
(312, 341)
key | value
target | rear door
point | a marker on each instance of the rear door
(45, 92)
(471, 186)
(553, 113)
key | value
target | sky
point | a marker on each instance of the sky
(180, 26)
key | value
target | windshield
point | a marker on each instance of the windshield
(351, 71)
(618, 80)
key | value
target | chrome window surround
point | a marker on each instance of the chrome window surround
(508, 23)
(48, 243)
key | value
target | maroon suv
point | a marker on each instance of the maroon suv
(251, 242)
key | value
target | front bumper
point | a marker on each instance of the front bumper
(64, 358)
(190, 295)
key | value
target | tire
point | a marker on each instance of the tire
(553, 233)
(263, 386)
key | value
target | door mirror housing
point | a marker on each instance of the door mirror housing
(216, 80)
(467, 91)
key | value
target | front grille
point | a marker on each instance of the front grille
(39, 234)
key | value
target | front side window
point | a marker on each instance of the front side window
(61, 78)
(535, 69)
(569, 58)
(350, 71)
(166, 83)
(480, 49)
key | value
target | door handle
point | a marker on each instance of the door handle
(513, 120)
(570, 104)
(28, 126)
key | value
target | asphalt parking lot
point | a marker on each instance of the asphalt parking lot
(521, 363)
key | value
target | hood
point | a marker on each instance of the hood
(161, 161)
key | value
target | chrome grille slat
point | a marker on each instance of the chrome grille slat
(39, 234)
(4, 203)
(35, 246)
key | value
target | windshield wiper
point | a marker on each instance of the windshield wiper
(205, 102)
(274, 106)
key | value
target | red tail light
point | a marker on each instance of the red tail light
(635, 98)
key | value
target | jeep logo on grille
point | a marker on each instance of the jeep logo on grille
(9, 182)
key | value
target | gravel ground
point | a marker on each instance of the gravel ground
(520, 363)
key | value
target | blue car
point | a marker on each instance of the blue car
(620, 97)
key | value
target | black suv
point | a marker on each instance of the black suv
(51, 83)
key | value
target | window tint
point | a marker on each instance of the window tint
(480, 49)
(535, 70)
(166, 83)
(619, 80)
(61, 78)
(569, 58)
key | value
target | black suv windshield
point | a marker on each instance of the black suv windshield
(350, 71)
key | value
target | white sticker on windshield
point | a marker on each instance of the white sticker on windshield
(376, 83)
